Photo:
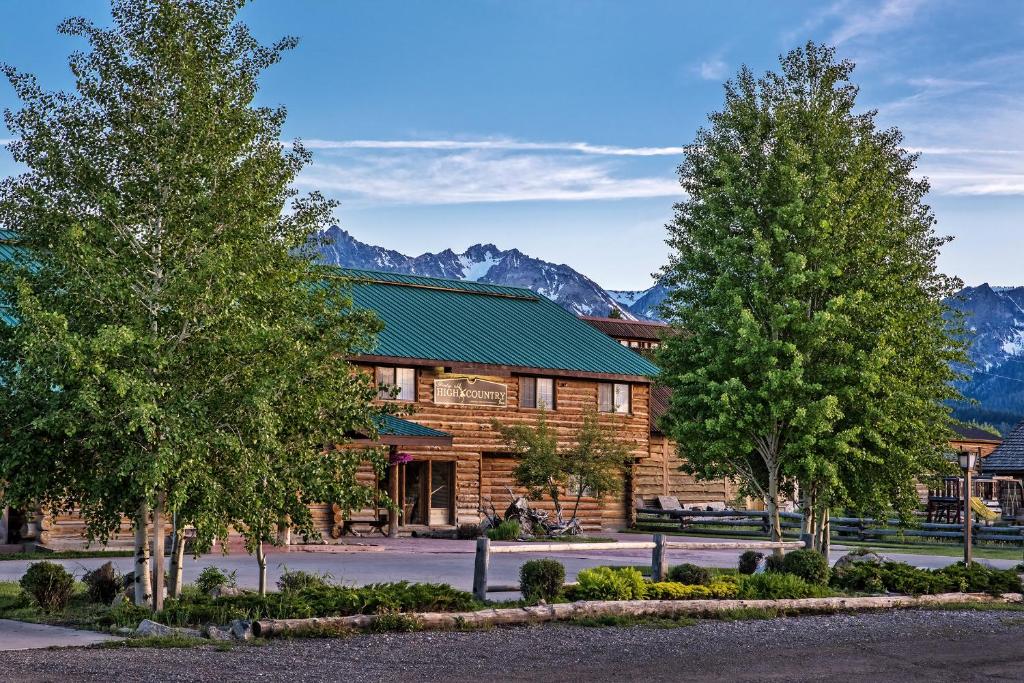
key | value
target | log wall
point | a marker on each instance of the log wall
(659, 475)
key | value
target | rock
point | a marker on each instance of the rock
(221, 591)
(241, 629)
(152, 628)
(128, 581)
(214, 633)
(124, 631)
(122, 597)
(856, 557)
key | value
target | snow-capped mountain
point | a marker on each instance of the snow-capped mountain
(481, 263)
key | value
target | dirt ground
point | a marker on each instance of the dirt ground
(890, 646)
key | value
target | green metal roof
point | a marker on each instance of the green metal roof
(470, 322)
(389, 425)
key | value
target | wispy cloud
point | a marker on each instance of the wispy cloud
(481, 175)
(714, 69)
(858, 20)
(502, 144)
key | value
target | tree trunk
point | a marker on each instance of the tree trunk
(772, 505)
(393, 511)
(177, 564)
(159, 539)
(261, 560)
(143, 567)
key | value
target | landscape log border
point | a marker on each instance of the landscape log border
(513, 616)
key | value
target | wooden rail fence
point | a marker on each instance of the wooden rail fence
(659, 548)
(755, 523)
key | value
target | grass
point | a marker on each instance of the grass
(64, 555)
(568, 539)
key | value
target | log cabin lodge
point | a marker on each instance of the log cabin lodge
(462, 355)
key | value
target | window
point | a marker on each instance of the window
(537, 392)
(613, 398)
(402, 379)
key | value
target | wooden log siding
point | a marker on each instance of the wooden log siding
(659, 475)
(484, 469)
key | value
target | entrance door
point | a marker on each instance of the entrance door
(427, 489)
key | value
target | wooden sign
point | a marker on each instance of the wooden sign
(470, 391)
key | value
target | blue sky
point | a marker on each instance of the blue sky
(554, 127)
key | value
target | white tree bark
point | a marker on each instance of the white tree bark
(143, 566)
(159, 539)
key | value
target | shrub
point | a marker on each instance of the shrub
(298, 580)
(468, 531)
(690, 574)
(773, 563)
(49, 584)
(899, 577)
(214, 577)
(809, 565)
(749, 561)
(541, 579)
(605, 583)
(671, 590)
(125, 614)
(103, 583)
(505, 531)
(777, 586)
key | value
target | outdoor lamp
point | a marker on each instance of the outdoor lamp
(968, 459)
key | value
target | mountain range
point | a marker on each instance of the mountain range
(993, 315)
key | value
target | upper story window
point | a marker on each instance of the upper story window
(613, 398)
(401, 379)
(537, 392)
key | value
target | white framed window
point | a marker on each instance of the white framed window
(401, 379)
(537, 392)
(614, 397)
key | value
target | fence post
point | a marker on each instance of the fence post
(808, 540)
(483, 560)
(659, 559)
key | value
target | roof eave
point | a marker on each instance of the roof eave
(497, 369)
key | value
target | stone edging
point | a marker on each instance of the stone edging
(627, 608)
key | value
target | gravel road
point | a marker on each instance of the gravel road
(898, 645)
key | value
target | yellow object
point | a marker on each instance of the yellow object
(982, 510)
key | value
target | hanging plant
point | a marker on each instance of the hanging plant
(399, 458)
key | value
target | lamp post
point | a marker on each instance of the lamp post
(968, 461)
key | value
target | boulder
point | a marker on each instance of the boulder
(152, 628)
(856, 557)
(214, 633)
(241, 629)
(221, 591)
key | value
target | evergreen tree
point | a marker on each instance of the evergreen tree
(813, 358)
(177, 349)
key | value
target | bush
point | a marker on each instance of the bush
(505, 531)
(670, 590)
(690, 574)
(103, 583)
(777, 586)
(541, 579)
(899, 577)
(49, 584)
(298, 580)
(605, 583)
(466, 532)
(749, 561)
(318, 601)
(773, 563)
(214, 577)
(809, 565)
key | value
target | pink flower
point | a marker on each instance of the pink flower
(399, 458)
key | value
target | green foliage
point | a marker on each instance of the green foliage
(541, 579)
(318, 601)
(49, 585)
(774, 563)
(103, 583)
(594, 461)
(776, 586)
(809, 565)
(673, 590)
(899, 577)
(214, 577)
(507, 530)
(125, 614)
(749, 560)
(813, 346)
(296, 580)
(176, 336)
(690, 574)
(606, 583)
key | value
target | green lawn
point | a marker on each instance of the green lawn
(64, 555)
